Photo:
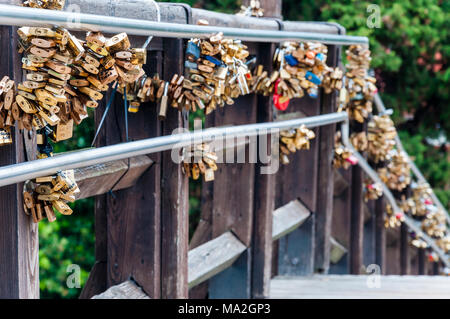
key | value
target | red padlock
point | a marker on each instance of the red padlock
(428, 201)
(280, 105)
(352, 160)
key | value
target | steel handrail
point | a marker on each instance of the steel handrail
(23, 16)
(21, 172)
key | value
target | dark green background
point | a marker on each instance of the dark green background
(411, 51)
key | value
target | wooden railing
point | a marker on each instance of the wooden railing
(299, 221)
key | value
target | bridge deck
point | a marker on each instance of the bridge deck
(357, 287)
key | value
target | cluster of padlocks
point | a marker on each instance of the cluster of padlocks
(43, 195)
(293, 140)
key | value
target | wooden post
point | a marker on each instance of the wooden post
(298, 180)
(357, 221)
(174, 192)
(422, 261)
(380, 235)
(233, 197)
(325, 185)
(128, 221)
(264, 203)
(340, 230)
(369, 234)
(404, 250)
(19, 242)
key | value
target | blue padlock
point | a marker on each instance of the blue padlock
(358, 97)
(313, 92)
(311, 77)
(190, 65)
(291, 60)
(320, 57)
(213, 60)
(193, 50)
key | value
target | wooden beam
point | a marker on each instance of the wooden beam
(422, 261)
(288, 218)
(213, 257)
(125, 290)
(100, 179)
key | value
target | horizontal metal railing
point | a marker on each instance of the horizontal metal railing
(21, 172)
(21, 16)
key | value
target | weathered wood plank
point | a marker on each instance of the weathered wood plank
(404, 250)
(125, 290)
(298, 180)
(213, 257)
(264, 198)
(19, 241)
(288, 218)
(325, 184)
(356, 287)
(422, 262)
(337, 251)
(356, 221)
(132, 216)
(380, 235)
(174, 193)
(340, 184)
(369, 233)
(340, 229)
(96, 283)
(392, 252)
(100, 179)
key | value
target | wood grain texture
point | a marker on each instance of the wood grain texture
(357, 221)
(264, 192)
(325, 184)
(125, 290)
(298, 180)
(96, 282)
(213, 257)
(174, 194)
(340, 229)
(337, 251)
(392, 252)
(128, 221)
(288, 218)
(404, 250)
(380, 235)
(19, 242)
(355, 287)
(101, 178)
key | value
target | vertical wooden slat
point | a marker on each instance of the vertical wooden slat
(422, 261)
(264, 202)
(357, 221)
(325, 185)
(233, 196)
(341, 221)
(174, 193)
(19, 242)
(369, 234)
(380, 235)
(128, 221)
(404, 250)
(298, 180)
